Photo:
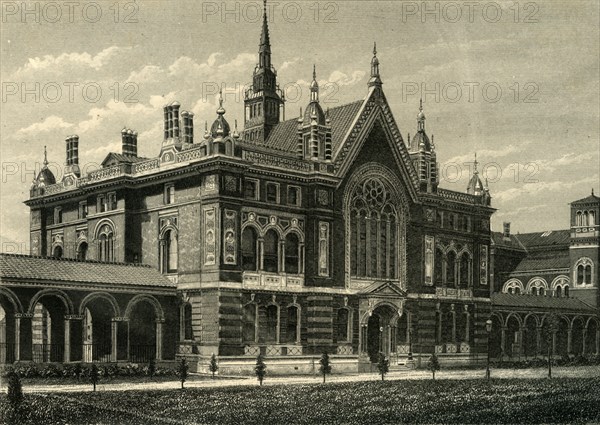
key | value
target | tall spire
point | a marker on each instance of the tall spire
(314, 86)
(421, 117)
(264, 52)
(375, 77)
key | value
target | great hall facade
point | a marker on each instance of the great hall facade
(326, 232)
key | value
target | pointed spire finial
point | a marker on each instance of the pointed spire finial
(592, 191)
(421, 104)
(45, 157)
(314, 71)
(475, 163)
(375, 78)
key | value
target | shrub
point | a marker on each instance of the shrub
(260, 369)
(15, 390)
(213, 366)
(433, 364)
(325, 365)
(151, 368)
(182, 371)
(94, 375)
(383, 365)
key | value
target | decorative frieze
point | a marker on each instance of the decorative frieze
(429, 259)
(483, 264)
(323, 248)
(229, 238)
(210, 241)
(276, 161)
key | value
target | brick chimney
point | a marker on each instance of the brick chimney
(187, 119)
(506, 232)
(72, 163)
(129, 142)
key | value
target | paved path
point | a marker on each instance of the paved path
(557, 372)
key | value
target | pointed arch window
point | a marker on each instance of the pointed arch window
(374, 232)
(451, 268)
(465, 270)
(82, 251)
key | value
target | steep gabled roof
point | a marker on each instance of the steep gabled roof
(29, 268)
(527, 301)
(512, 242)
(284, 138)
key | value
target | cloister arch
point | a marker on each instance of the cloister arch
(145, 318)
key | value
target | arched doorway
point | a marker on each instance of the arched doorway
(98, 313)
(577, 335)
(530, 336)
(591, 337)
(380, 328)
(48, 326)
(145, 330)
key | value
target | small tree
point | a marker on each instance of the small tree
(152, 368)
(433, 364)
(94, 375)
(78, 371)
(15, 390)
(325, 367)
(260, 369)
(383, 365)
(213, 366)
(182, 371)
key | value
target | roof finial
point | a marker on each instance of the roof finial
(314, 86)
(421, 116)
(592, 191)
(206, 134)
(221, 110)
(375, 78)
(475, 165)
(421, 104)
(45, 157)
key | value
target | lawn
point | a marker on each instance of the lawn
(374, 402)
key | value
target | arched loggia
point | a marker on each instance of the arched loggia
(145, 317)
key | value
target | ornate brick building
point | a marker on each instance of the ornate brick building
(326, 232)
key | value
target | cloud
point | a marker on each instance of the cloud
(568, 159)
(68, 60)
(532, 189)
(287, 64)
(342, 79)
(51, 123)
(486, 154)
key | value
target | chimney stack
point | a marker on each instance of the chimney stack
(506, 233)
(187, 119)
(129, 142)
(166, 121)
(72, 150)
(175, 106)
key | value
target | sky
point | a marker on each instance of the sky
(517, 83)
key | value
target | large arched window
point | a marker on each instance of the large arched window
(513, 286)
(169, 252)
(583, 271)
(578, 219)
(537, 286)
(373, 232)
(271, 252)
(105, 239)
(292, 254)
(249, 245)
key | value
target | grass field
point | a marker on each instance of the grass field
(390, 402)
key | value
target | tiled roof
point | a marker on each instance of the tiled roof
(587, 200)
(25, 267)
(545, 260)
(511, 242)
(119, 157)
(543, 302)
(544, 239)
(283, 137)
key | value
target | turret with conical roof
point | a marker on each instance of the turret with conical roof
(422, 153)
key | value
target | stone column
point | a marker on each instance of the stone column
(261, 257)
(67, 353)
(113, 339)
(159, 340)
(17, 337)
(281, 257)
(569, 340)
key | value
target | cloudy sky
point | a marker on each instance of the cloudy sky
(515, 82)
